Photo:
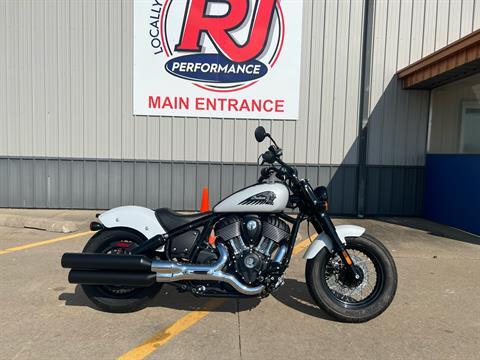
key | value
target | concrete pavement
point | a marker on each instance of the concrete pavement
(435, 315)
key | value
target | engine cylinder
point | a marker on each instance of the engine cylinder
(229, 229)
(265, 236)
(266, 246)
(275, 229)
(237, 245)
(274, 232)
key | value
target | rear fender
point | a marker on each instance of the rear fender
(323, 240)
(138, 218)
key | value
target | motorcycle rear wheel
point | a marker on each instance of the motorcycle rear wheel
(341, 298)
(117, 299)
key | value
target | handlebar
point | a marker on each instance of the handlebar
(286, 173)
(271, 155)
(266, 172)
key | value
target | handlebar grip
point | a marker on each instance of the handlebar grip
(268, 157)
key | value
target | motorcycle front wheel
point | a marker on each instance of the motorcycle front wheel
(117, 299)
(347, 299)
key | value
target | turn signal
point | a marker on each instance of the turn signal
(95, 226)
(347, 257)
(325, 205)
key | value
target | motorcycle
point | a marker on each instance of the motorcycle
(135, 250)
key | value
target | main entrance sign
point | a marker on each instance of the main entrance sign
(217, 58)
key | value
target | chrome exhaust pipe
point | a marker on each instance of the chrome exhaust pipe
(168, 271)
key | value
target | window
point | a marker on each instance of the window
(470, 133)
(454, 126)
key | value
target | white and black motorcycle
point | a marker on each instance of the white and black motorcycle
(135, 250)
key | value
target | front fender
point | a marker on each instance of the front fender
(323, 240)
(134, 217)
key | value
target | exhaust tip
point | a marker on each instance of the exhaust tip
(65, 260)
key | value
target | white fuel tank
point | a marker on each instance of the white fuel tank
(256, 198)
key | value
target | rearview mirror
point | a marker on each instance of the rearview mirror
(260, 134)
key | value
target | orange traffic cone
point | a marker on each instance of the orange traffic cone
(212, 239)
(205, 205)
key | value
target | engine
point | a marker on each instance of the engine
(254, 242)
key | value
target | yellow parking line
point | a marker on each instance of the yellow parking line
(164, 336)
(44, 242)
(303, 245)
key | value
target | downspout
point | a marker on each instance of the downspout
(367, 37)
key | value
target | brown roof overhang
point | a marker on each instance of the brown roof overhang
(455, 61)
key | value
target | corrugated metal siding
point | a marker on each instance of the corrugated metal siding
(103, 184)
(405, 31)
(394, 190)
(67, 80)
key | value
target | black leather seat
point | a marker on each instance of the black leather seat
(170, 219)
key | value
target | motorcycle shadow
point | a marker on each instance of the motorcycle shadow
(295, 295)
(170, 298)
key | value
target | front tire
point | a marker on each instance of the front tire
(343, 299)
(117, 299)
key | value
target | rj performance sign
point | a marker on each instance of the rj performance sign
(218, 58)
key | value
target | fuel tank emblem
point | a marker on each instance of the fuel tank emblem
(263, 198)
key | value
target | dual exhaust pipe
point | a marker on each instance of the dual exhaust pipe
(138, 270)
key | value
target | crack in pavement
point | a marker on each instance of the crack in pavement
(239, 329)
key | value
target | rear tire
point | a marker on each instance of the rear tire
(111, 298)
(318, 271)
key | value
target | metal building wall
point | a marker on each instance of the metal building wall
(403, 32)
(68, 76)
(68, 137)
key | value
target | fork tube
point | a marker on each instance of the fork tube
(339, 246)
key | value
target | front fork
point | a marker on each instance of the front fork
(322, 222)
